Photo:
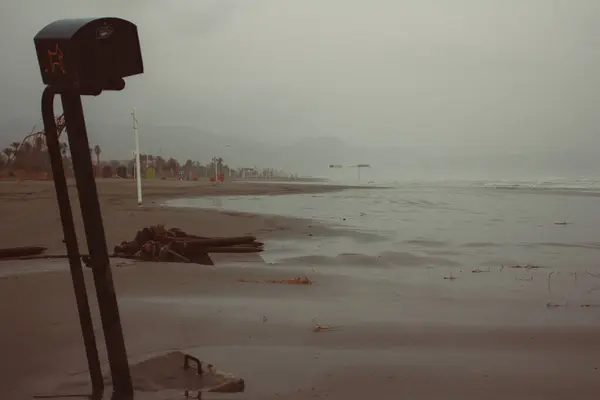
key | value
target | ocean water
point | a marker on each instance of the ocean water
(466, 225)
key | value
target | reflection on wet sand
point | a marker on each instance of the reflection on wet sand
(482, 333)
(377, 272)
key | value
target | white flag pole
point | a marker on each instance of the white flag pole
(138, 172)
(216, 170)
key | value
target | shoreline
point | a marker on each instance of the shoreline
(417, 335)
(30, 212)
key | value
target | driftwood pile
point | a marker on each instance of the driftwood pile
(156, 243)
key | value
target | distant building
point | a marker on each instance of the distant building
(150, 173)
(249, 173)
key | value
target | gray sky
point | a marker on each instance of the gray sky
(512, 73)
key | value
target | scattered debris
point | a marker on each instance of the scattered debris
(590, 305)
(295, 281)
(451, 277)
(554, 305)
(524, 279)
(563, 223)
(477, 270)
(574, 274)
(528, 266)
(326, 328)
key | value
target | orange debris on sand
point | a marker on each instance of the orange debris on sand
(295, 281)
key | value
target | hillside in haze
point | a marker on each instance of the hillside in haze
(466, 89)
(312, 155)
(307, 156)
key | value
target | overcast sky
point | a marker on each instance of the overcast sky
(430, 72)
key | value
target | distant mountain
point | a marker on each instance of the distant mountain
(307, 156)
(169, 141)
(313, 155)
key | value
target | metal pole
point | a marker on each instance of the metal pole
(228, 146)
(216, 170)
(138, 174)
(70, 239)
(96, 240)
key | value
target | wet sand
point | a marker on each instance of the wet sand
(30, 216)
(263, 333)
(462, 339)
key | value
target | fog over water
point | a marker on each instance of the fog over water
(459, 88)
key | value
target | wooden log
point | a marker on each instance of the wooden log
(192, 252)
(200, 259)
(241, 246)
(225, 241)
(203, 259)
(12, 252)
(128, 248)
(143, 236)
(219, 241)
(181, 234)
(233, 249)
(253, 244)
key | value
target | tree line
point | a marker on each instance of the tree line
(171, 167)
(32, 157)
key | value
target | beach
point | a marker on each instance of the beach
(28, 206)
(402, 329)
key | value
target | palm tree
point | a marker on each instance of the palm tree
(97, 151)
(214, 167)
(24, 156)
(38, 144)
(160, 164)
(64, 148)
(39, 160)
(27, 147)
(171, 165)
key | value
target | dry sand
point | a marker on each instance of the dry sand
(263, 332)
